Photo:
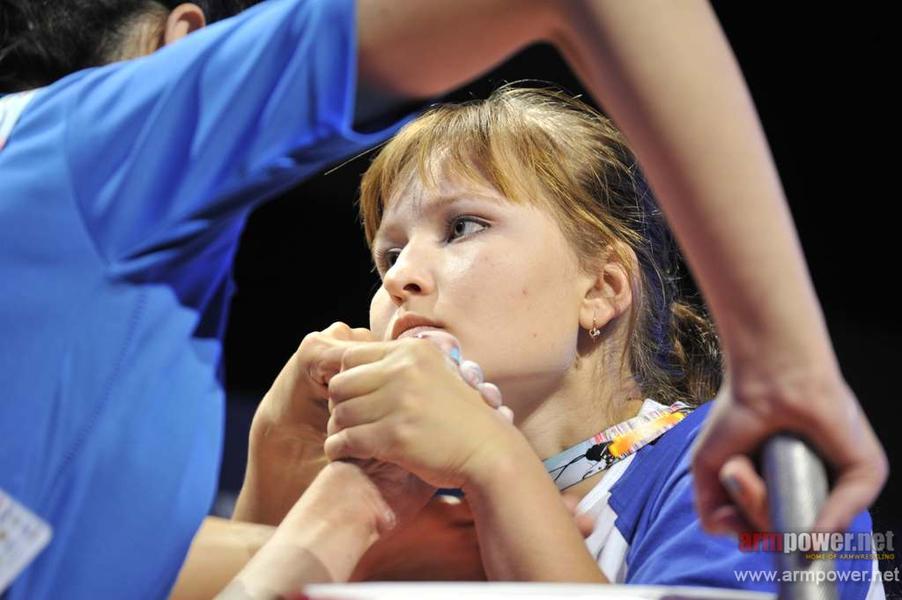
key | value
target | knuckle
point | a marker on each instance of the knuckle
(336, 388)
(309, 340)
(401, 437)
(361, 333)
(793, 407)
(347, 358)
(337, 327)
(335, 446)
(340, 417)
(408, 403)
(400, 365)
(420, 352)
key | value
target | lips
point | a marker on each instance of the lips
(411, 324)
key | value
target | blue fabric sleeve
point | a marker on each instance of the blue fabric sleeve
(165, 148)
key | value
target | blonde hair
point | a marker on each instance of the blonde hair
(544, 147)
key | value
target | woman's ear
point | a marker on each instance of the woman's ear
(610, 294)
(184, 19)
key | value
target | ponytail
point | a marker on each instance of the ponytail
(695, 354)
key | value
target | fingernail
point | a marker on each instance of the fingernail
(472, 373)
(455, 354)
(507, 413)
(732, 484)
(491, 394)
(390, 520)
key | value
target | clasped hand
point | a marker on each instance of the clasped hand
(404, 402)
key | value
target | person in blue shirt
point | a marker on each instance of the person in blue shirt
(130, 155)
(521, 226)
(125, 185)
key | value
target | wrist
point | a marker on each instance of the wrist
(788, 337)
(495, 466)
(280, 466)
(770, 374)
(340, 516)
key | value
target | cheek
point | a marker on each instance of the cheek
(528, 321)
(381, 308)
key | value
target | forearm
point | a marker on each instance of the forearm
(316, 553)
(220, 549)
(526, 541)
(247, 560)
(669, 79)
(320, 540)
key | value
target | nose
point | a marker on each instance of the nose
(411, 275)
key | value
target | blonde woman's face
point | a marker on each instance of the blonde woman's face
(498, 276)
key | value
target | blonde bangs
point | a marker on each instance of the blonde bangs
(478, 142)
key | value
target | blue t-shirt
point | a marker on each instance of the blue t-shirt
(648, 532)
(123, 191)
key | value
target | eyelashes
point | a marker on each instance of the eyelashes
(385, 258)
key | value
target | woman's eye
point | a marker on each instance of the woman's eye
(385, 259)
(461, 226)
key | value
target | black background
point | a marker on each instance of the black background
(821, 82)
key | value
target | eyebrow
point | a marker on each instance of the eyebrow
(434, 205)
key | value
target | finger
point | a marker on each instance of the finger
(747, 490)
(363, 442)
(506, 413)
(327, 364)
(726, 520)
(472, 373)
(855, 488)
(326, 355)
(355, 382)
(362, 334)
(859, 464)
(361, 354)
(338, 330)
(357, 411)
(730, 430)
(445, 341)
(491, 394)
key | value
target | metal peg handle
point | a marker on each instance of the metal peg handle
(797, 487)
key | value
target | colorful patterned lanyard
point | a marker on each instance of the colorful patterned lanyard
(612, 445)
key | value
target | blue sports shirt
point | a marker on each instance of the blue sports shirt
(123, 191)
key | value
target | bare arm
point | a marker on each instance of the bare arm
(422, 49)
(526, 541)
(321, 539)
(666, 74)
(220, 549)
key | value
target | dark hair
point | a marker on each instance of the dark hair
(44, 40)
(541, 145)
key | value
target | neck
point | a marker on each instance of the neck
(554, 416)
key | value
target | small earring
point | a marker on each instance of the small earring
(595, 331)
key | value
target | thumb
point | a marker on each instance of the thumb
(446, 342)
